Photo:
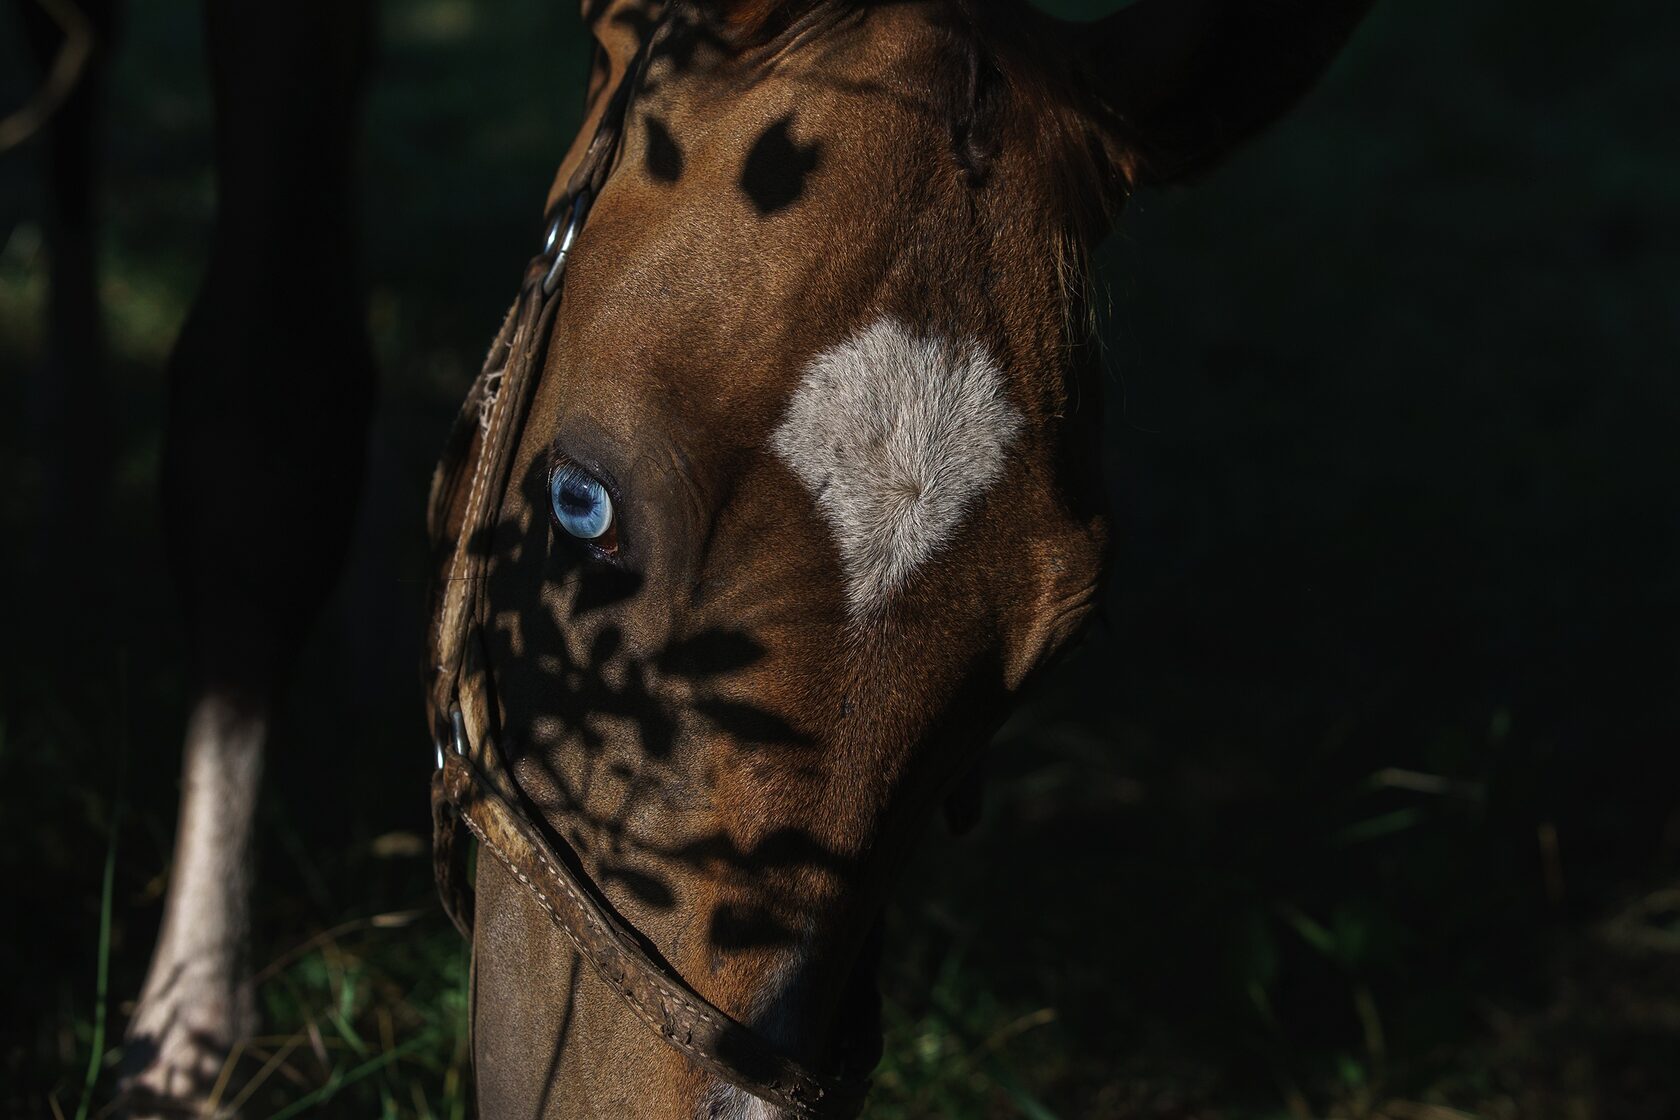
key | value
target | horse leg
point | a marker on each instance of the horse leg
(272, 386)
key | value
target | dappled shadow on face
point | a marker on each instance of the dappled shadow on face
(616, 721)
(777, 166)
(603, 700)
(664, 160)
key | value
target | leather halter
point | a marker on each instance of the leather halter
(473, 786)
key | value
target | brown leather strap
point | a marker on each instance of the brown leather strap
(487, 431)
(473, 787)
(449, 858)
(686, 1020)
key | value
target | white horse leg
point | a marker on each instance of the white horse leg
(197, 1001)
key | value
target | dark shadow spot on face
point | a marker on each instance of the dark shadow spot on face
(664, 158)
(601, 586)
(746, 927)
(751, 725)
(642, 885)
(776, 167)
(784, 847)
(710, 654)
(607, 643)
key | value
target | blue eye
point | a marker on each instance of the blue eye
(581, 506)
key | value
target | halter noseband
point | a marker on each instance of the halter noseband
(473, 786)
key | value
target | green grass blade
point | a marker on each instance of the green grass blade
(367, 1068)
(102, 982)
(1029, 1105)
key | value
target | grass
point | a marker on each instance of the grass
(1360, 803)
(96, 1046)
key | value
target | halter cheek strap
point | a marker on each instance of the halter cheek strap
(473, 788)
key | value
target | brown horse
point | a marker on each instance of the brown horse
(778, 484)
(755, 524)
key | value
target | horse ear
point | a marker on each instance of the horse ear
(619, 28)
(1175, 84)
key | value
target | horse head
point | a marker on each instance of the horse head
(780, 482)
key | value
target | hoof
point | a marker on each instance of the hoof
(175, 1053)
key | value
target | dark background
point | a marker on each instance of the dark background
(1362, 799)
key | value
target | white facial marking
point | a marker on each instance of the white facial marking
(726, 1102)
(896, 435)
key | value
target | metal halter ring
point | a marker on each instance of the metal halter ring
(562, 232)
(456, 740)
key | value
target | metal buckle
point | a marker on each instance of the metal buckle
(456, 737)
(562, 232)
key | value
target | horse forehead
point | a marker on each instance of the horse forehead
(720, 259)
(814, 127)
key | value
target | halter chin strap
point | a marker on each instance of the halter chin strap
(473, 786)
